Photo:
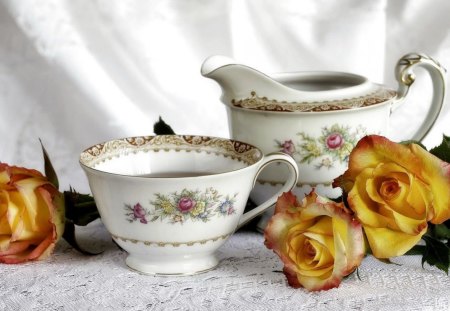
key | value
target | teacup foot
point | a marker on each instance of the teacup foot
(173, 267)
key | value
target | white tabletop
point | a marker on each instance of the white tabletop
(247, 278)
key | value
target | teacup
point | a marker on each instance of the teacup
(171, 201)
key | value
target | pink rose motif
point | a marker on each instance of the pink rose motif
(138, 211)
(288, 147)
(186, 204)
(334, 141)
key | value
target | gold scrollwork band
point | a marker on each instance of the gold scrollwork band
(173, 244)
(255, 102)
(299, 184)
(228, 148)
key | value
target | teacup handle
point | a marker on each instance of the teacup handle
(288, 185)
(406, 77)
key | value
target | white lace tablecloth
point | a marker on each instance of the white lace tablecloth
(247, 278)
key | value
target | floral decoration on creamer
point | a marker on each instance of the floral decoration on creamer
(334, 145)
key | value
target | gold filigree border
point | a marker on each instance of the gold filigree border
(173, 244)
(255, 102)
(299, 184)
(233, 149)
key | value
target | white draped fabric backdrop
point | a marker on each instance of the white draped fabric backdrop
(74, 73)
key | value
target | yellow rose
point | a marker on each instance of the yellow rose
(31, 215)
(199, 208)
(395, 190)
(318, 241)
(167, 207)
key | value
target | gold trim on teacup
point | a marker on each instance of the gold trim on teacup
(228, 148)
(255, 102)
(173, 244)
(299, 184)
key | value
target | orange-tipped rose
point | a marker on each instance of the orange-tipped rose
(395, 190)
(318, 241)
(31, 215)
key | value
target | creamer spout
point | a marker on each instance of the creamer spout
(239, 81)
(215, 62)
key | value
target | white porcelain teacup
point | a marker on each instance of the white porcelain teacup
(171, 201)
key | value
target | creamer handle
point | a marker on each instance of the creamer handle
(406, 77)
(288, 185)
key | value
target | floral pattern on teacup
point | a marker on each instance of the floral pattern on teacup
(334, 145)
(136, 213)
(179, 207)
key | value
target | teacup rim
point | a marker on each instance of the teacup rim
(258, 155)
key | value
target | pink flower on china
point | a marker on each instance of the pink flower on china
(334, 141)
(138, 211)
(288, 147)
(186, 204)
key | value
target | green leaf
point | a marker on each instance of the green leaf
(69, 236)
(443, 150)
(417, 250)
(440, 231)
(162, 128)
(436, 253)
(48, 167)
(80, 208)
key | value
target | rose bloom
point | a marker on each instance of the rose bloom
(31, 215)
(288, 147)
(186, 204)
(334, 141)
(138, 211)
(395, 190)
(318, 241)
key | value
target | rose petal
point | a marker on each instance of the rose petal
(322, 227)
(4, 224)
(315, 284)
(4, 176)
(367, 211)
(372, 150)
(292, 277)
(386, 243)
(278, 226)
(15, 248)
(14, 215)
(287, 201)
(44, 249)
(5, 240)
(437, 177)
(26, 188)
(420, 198)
